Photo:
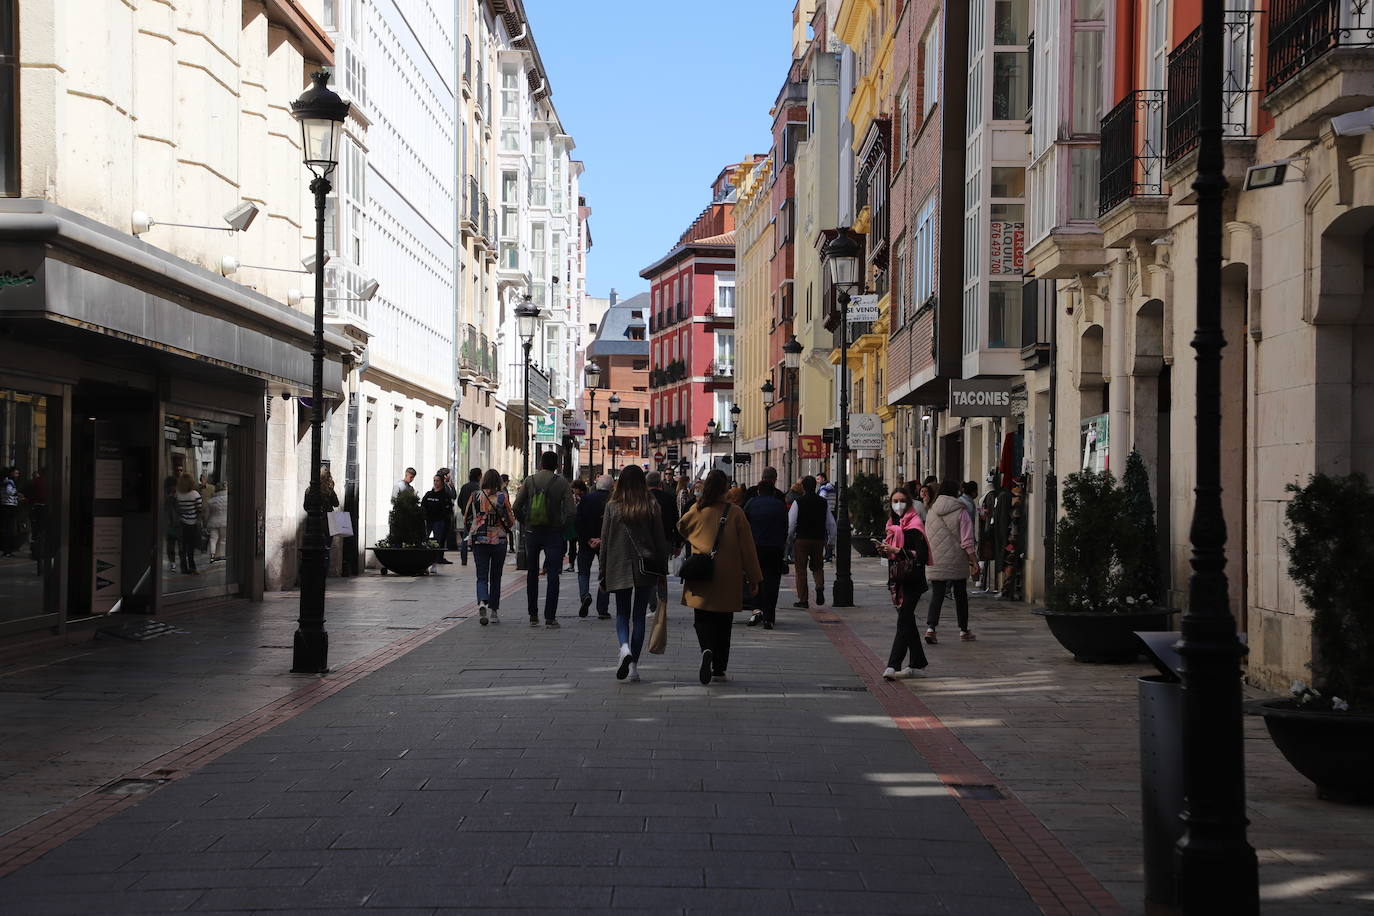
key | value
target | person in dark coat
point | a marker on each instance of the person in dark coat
(438, 506)
(590, 512)
(767, 515)
(460, 505)
(667, 509)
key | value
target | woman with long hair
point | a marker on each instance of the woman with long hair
(489, 521)
(714, 525)
(907, 552)
(953, 558)
(634, 556)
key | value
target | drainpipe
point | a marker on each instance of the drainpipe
(1118, 406)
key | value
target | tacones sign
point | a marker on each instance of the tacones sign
(980, 397)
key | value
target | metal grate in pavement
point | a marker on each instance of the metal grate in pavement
(859, 689)
(141, 631)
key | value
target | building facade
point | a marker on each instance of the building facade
(618, 434)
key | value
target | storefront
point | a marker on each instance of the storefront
(135, 403)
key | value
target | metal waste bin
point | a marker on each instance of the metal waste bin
(1161, 770)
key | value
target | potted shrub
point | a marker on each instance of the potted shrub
(867, 499)
(407, 549)
(1106, 568)
(1326, 728)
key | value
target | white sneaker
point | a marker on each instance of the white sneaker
(482, 611)
(495, 616)
(626, 661)
(634, 671)
(889, 674)
(911, 672)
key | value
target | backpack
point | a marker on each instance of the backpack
(538, 514)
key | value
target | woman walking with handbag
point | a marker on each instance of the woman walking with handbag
(907, 552)
(721, 559)
(634, 557)
(489, 520)
(952, 558)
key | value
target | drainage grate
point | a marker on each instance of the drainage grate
(403, 628)
(851, 689)
(141, 631)
(985, 793)
(276, 647)
(132, 786)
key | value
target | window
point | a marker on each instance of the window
(355, 201)
(1010, 22)
(1008, 182)
(724, 353)
(1083, 182)
(538, 263)
(1086, 81)
(930, 54)
(1004, 314)
(355, 76)
(899, 287)
(539, 175)
(923, 267)
(9, 96)
(510, 187)
(903, 124)
(1009, 85)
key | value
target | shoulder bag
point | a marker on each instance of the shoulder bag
(702, 566)
(645, 567)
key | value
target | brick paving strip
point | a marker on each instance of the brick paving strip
(31, 841)
(1049, 872)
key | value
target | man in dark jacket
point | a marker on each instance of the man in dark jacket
(438, 506)
(769, 477)
(811, 527)
(543, 506)
(767, 515)
(588, 527)
(667, 509)
(461, 504)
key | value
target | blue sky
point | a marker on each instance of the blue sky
(658, 96)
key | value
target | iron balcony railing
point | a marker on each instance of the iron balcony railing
(1131, 160)
(1301, 31)
(486, 219)
(1238, 89)
(468, 352)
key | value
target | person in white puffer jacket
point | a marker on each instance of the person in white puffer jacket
(217, 521)
(953, 558)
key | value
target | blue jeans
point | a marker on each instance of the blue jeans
(585, 555)
(624, 607)
(550, 542)
(490, 558)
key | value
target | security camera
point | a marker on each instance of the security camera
(241, 217)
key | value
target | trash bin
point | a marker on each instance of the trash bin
(1161, 770)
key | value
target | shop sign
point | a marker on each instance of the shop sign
(976, 397)
(812, 447)
(865, 431)
(1007, 247)
(863, 308)
(545, 429)
(1094, 437)
(577, 424)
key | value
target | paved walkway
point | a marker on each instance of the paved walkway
(442, 765)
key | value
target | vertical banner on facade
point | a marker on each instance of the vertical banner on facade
(1007, 247)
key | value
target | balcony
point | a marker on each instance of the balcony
(468, 213)
(1132, 155)
(469, 353)
(1318, 63)
(1238, 92)
(722, 368)
(467, 67)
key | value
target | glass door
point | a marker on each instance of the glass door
(199, 503)
(30, 426)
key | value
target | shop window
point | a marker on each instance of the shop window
(199, 502)
(9, 97)
(29, 526)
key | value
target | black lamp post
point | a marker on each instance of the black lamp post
(767, 390)
(320, 111)
(791, 360)
(527, 318)
(615, 420)
(1217, 871)
(734, 442)
(841, 257)
(603, 443)
(711, 427)
(592, 376)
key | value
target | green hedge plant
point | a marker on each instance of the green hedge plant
(406, 523)
(867, 499)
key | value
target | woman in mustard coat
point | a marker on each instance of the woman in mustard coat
(716, 600)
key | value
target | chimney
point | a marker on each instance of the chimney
(615, 297)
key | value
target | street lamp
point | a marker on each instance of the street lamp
(791, 360)
(320, 111)
(1217, 871)
(615, 420)
(592, 375)
(527, 318)
(603, 443)
(734, 442)
(767, 391)
(841, 257)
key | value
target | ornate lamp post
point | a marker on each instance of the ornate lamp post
(734, 441)
(615, 421)
(711, 427)
(791, 360)
(767, 390)
(841, 257)
(1217, 871)
(320, 111)
(592, 376)
(527, 319)
(603, 443)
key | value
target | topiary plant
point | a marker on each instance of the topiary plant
(867, 499)
(1138, 553)
(406, 523)
(1331, 558)
(1087, 572)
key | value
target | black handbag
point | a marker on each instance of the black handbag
(646, 567)
(698, 567)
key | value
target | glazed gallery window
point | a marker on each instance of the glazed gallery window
(930, 55)
(1004, 314)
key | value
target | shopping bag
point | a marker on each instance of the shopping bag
(340, 523)
(658, 636)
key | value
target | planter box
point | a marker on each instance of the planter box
(406, 561)
(1103, 637)
(1333, 749)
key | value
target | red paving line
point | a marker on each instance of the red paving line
(1051, 875)
(30, 841)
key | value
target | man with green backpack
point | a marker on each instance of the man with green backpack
(544, 505)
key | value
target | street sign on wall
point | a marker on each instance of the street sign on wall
(976, 397)
(865, 431)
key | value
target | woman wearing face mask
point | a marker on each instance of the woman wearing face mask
(906, 548)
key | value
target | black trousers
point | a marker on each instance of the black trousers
(907, 642)
(937, 598)
(713, 632)
(770, 561)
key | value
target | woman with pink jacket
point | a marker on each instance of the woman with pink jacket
(907, 550)
(953, 558)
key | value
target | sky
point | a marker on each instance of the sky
(659, 96)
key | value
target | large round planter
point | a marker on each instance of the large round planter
(1333, 749)
(864, 547)
(406, 561)
(1102, 637)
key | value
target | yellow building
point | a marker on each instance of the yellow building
(753, 306)
(867, 28)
